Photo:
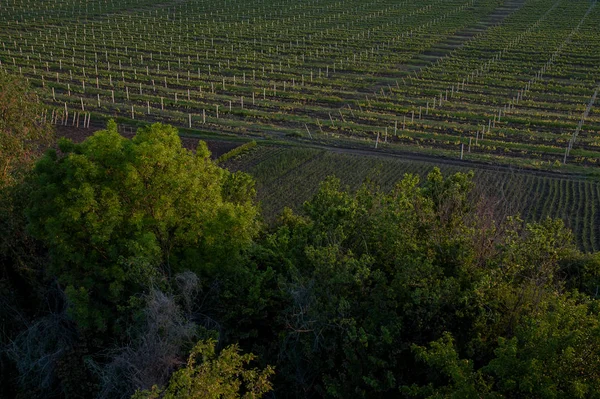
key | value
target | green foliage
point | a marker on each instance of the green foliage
(411, 291)
(237, 151)
(224, 376)
(23, 135)
(554, 355)
(289, 176)
(445, 363)
(369, 274)
(418, 291)
(582, 272)
(119, 215)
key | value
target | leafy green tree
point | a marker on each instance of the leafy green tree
(120, 215)
(23, 134)
(582, 272)
(554, 355)
(381, 292)
(369, 274)
(225, 376)
(23, 137)
(446, 367)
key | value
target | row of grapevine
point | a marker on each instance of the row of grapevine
(291, 176)
(407, 74)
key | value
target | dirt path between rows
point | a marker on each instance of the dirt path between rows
(437, 160)
(220, 147)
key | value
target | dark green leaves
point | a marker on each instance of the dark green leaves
(119, 215)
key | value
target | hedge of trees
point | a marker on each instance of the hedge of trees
(137, 268)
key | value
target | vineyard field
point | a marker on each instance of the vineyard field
(236, 198)
(511, 80)
(288, 176)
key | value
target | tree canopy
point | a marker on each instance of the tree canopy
(119, 215)
(420, 292)
(23, 134)
(214, 377)
(415, 293)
